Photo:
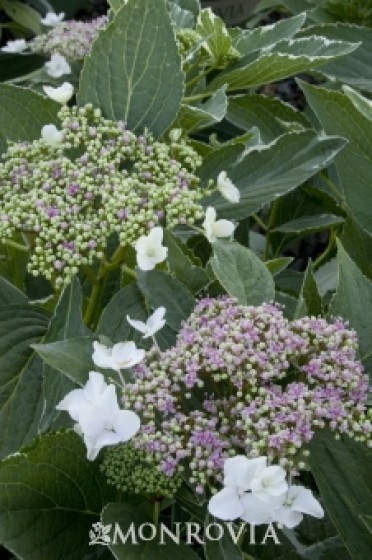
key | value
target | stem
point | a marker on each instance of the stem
(129, 271)
(199, 77)
(332, 187)
(156, 512)
(197, 96)
(258, 220)
(328, 250)
(17, 246)
(89, 312)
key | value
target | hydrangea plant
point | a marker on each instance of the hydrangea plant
(185, 287)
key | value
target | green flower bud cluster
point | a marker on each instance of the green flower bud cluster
(70, 197)
(72, 39)
(188, 41)
(130, 470)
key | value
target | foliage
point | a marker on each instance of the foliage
(172, 114)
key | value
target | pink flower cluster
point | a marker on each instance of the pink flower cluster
(245, 380)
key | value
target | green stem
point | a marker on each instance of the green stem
(332, 187)
(156, 512)
(129, 271)
(199, 77)
(258, 220)
(17, 246)
(89, 312)
(328, 250)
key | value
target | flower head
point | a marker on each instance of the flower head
(61, 94)
(299, 500)
(57, 66)
(227, 188)
(17, 46)
(52, 19)
(121, 356)
(51, 135)
(99, 419)
(154, 323)
(149, 249)
(215, 229)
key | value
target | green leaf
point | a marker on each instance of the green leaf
(181, 18)
(23, 113)
(50, 496)
(354, 68)
(24, 15)
(66, 323)
(116, 4)
(161, 289)
(127, 515)
(276, 266)
(217, 39)
(20, 375)
(270, 171)
(367, 520)
(72, 357)
(338, 116)
(268, 35)
(326, 277)
(194, 277)
(309, 301)
(267, 113)
(358, 245)
(309, 224)
(191, 119)
(220, 548)
(241, 273)
(342, 472)
(361, 103)
(192, 6)
(353, 301)
(291, 57)
(10, 294)
(134, 70)
(113, 322)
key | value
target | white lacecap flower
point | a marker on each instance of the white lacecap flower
(149, 249)
(51, 135)
(215, 229)
(269, 484)
(61, 94)
(52, 19)
(121, 356)
(298, 500)
(57, 66)
(154, 323)
(99, 419)
(227, 188)
(17, 46)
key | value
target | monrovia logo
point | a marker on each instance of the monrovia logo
(187, 533)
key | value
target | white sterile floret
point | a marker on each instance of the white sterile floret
(299, 500)
(121, 356)
(17, 46)
(52, 19)
(227, 188)
(57, 66)
(154, 323)
(99, 419)
(216, 228)
(51, 135)
(149, 249)
(61, 94)
(269, 483)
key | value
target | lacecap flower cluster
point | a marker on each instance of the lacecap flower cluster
(244, 380)
(73, 39)
(74, 188)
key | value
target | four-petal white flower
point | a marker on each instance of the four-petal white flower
(216, 228)
(16, 46)
(259, 494)
(299, 500)
(121, 356)
(51, 135)
(61, 94)
(99, 419)
(227, 188)
(57, 66)
(153, 324)
(52, 19)
(149, 249)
